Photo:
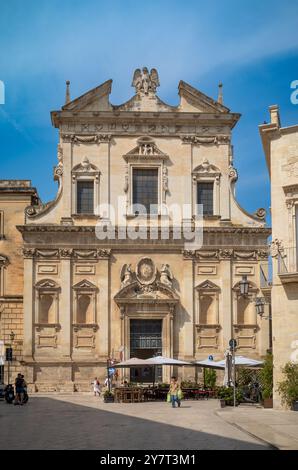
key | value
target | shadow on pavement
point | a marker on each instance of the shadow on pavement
(47, 423)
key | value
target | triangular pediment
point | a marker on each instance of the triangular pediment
(85, 284)
(96, 99)
(193, 100)
(207, 285)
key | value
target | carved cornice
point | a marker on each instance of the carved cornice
(86, 139)
(203, 140)
(222, 254)
(66, 253)
(91, 228)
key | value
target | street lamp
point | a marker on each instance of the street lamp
(260, 309)
(12, 336)
(244, 286)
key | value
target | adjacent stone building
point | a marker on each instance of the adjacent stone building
(15, 196)
(281, 150)
(88, 297)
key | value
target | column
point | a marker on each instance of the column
(187, 300)
(104, 308)
(68, 195)
(65, 310)
(28, 344)
(226, 303)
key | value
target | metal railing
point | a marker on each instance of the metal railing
(288, 260)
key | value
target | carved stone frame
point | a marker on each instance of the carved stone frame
(135, 159)
(85, 171)
(207, 288)
(206, 173)
(46, 287)
(85, 288)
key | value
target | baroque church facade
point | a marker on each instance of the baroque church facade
(87, 297)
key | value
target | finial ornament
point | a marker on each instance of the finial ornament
(145, 82)
(220, 94)
(67, 94)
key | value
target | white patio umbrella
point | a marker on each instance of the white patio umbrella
(132, 362)
(243, 361)
(209, 364)
(166, 361)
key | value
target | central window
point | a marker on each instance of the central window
(205, 197)
(85, 197)
(145, 190)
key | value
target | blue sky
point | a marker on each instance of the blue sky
(251, 46)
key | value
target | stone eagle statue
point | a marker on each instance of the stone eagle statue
(145, 82)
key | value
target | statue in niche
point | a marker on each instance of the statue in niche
(166, 276)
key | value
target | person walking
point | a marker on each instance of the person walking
(19, 386)
(174, 392)
(96, 387)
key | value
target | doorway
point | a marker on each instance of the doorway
(145, 342)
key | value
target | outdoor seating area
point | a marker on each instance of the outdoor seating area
(137, 394)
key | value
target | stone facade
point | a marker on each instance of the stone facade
(281, 150)
(15, 196)
(86, 297)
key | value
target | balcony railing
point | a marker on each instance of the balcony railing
(288, 261)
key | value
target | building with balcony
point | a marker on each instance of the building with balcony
(281, 150)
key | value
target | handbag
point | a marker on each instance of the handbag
(168, 397)
(180, 394)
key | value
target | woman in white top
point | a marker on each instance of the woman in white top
(96, 387)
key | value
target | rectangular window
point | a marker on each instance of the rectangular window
(145, 189)
(205, 197)
(85, 197)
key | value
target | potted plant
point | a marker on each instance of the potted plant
(288, 388)
(266, 377)
(226, 396)
(210, 378)
(108, 397)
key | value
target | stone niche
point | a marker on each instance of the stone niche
(207, 316)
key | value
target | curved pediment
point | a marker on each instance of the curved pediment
(156, 292)
(206, 168)
(146, 149)
(85, 167)
(47, 284)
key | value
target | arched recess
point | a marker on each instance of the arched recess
(245, 317)
(47, 302)
(85, 295)
(244, 306)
